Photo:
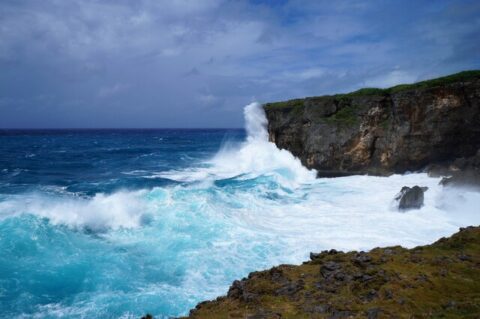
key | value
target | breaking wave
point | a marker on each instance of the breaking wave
(252, 158)
(162, 250)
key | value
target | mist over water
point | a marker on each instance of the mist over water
(129, 222)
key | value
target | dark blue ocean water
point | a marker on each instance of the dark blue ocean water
(86, 162)
(54, 263)
(118, 223)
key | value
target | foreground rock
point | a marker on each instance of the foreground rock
(441, 280)
(411, 198)
(375, 131)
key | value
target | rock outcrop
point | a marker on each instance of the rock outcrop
(460, 172)
(435, 281)
(411, 197)
(382, 131)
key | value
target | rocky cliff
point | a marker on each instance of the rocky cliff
(382, 131)
(436, 281)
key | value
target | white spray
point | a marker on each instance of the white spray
(257, 156)
(252, 158)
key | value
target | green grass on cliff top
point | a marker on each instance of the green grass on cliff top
(457, 77)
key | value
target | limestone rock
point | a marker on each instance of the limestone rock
(383, 131)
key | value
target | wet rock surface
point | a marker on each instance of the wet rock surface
(463, 172)
(411, 197)
(435, 281)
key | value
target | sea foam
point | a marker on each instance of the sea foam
(249, 207)
(252, 158)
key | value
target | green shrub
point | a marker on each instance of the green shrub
(457, 77)
(345, 116)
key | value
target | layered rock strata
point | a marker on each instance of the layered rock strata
(381, 131)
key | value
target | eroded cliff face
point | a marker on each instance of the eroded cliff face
(380, 133)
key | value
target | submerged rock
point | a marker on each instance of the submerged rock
(463, 179)
(411, 197)
(464, 172)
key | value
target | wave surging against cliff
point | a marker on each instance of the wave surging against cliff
(253, 158)
(162, 250)
(258, 156)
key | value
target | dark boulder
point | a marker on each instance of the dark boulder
(410, 197)
(324, 253)
(361, 259)
(290, 288)
(329, 268)
(315, 255)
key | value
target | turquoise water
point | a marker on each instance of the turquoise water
(87, 228)
(118, 223)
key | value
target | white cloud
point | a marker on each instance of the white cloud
(112, 90)
(392, 78)
(208, 99)
(86, 50)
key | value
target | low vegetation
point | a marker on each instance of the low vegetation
(345, 116)
(457, 77)
(441, 280)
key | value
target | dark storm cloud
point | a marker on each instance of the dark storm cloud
(196, 63)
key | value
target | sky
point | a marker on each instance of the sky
(195, 64)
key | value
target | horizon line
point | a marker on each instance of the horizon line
(119, 128)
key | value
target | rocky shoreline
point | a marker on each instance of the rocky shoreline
(440, 280)
(432, 126)
(382, 131)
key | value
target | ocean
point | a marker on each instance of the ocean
(120, 223)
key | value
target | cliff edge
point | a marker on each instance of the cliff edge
(441, 280)
(382, 131)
